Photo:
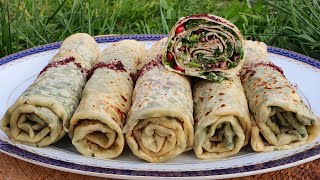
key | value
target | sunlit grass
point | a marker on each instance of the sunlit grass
(291, 24)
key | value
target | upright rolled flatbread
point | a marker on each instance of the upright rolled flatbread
(205, 46)
(280, 119)
(96, 126)
(41, 115)
(222, 119)
(160, 121)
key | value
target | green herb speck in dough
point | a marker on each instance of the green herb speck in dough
(214, 77)
(193, 64)
(232, 65)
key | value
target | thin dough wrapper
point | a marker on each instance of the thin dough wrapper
(41, 115)
(96, 126)
(160, 122)
(222, 120)
(280, 119)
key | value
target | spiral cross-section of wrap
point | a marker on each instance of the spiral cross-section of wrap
(204, 46)
(160, 122)
(41, 115)
(96, 126)
(222, 119)
(280, 119)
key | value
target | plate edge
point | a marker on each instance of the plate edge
(296, 159)
(152, 37)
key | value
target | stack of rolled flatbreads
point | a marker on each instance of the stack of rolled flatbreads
(203, 88)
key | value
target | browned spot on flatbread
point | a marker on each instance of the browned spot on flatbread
(208, 112)
(120, 113)
(246, 73)
(262, 84)
(124, 99)
(258, 80)
(267, 87)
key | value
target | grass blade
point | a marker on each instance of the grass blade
(55, 12)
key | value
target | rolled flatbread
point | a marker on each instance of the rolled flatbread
(160, 122)
(222, 119)
(96, 126)
(280, 119)
(41, 115)
(204, 46)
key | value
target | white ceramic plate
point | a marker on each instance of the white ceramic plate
(18, 71)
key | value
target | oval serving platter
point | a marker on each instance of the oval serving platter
(18, 71)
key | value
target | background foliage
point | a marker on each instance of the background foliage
(290, 24)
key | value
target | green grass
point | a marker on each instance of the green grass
(290, 24)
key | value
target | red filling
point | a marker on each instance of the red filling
(178, 68)
(221, 65)
(133, 77)
(248, 71)
(269, 64)
(157, 62)
(180, 29)
(117, 65)
(62, 62)
(169, 56)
